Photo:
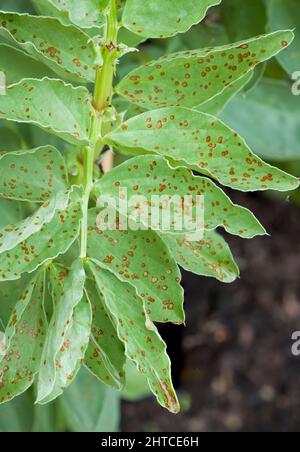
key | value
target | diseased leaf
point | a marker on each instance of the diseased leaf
(25, 336)
(190, 78)
(34, 175)
(203, 143)
(50, 104)
(269, 119)
(10, 292)
(160, 19)
(68, 332)
(64, 49)
(14, 234)
(142, 259)
(152, 175)
(282, 13)
(105, 356)
(89, 406)
(51, 240)
(243, 22)
(208, 257)
(217, 104)
(143, 345)
(17, 65)
(84, 14)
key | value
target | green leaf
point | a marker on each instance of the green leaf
(25, 335)
(64, 49)
(17, 65)
(160, 19)
(217, 104)
(10, 291)
(50, 104)
(105, 355)
(282, 13)
(143, 345)
(89, 406)
(210, 256)
(142, 259)
(203, 143)
(84, 14)
(42, 244)
(34, 175)
(190, 78)
(68, 332)
(17, 416)
(14, 234)
(151, 175)
(244, 21)
(269, 119)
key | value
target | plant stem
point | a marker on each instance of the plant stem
(101, 102)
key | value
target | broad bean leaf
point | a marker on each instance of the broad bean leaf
(243, 22)
(89, 406)
(269, 119)
(160, 19)
(281, 14)
(105, 354)
(190, 78)
(10, 292)
(143, 345)
(203, 143)
(210, 256)
(14, 234)
(64, 49)
(70, 357)
(50, 104)
(217, 104)
(25, 336)
(34, 175)
(68, 332)
(17, 65)
(51, 240)
(84, 14)
(149, 176)
(142, 259)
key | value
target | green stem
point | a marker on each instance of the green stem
(88, 184)
(101, 101)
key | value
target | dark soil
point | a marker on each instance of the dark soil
(232, 364)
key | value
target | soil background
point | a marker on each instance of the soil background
(232, 364)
